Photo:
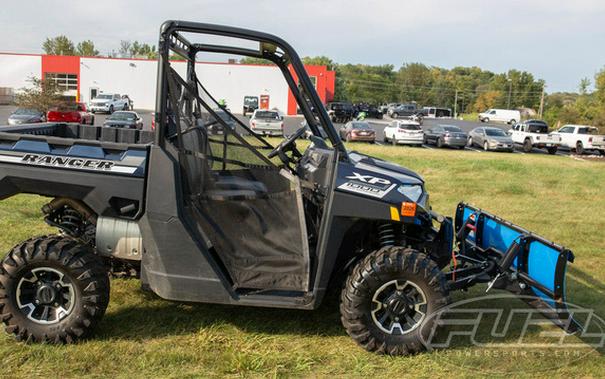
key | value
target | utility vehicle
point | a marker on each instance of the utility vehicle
(534, 133)
(232, 219)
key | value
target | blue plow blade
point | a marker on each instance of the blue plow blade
(522, 262)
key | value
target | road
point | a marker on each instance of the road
(292, 123)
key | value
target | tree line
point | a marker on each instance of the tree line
(462, 89)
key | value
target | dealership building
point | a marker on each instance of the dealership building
(81, 78)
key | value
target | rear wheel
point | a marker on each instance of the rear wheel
(388, 298)
(527, 146)
(485, 119)
(512, 121)
(552, 150)
(579, 148)
(52, 289)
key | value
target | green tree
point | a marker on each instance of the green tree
(60, 45)
(86, 49)
(583, 86)
(41, 95)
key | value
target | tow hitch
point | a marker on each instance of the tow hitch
(494, 251)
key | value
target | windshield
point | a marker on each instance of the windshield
(104, 97)
(251, 101)
(452, 129)
(495, 132)
(122, 116)
(538, 128)
(28, 112)
(267, 115)
(360, 125)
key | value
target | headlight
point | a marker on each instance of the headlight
(412, 192)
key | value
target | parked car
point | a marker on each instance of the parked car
(534, 133)
(405, 132)
(390, 106)
(357, 131)
(501, 115)
(340, 111)
(371, 111)
(124, 119)
(490, 139)
(446, 135)
(403, 110)
(435, 112)
(250, 104)
(75, 112)
(581, 138)
(108, 103)
(26, 116)
(216, 127)
(267, 123)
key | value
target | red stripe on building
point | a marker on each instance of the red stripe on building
(60, 64)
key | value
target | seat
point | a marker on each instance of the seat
(201, 180)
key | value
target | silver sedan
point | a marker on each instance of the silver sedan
(490, 139)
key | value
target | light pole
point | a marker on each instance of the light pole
(510, 89)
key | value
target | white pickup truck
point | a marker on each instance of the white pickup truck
(534, 133)
(581, 138)
(109, 102)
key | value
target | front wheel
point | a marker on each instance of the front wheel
(110, 109)
(125, 107)
(394, 141)
(440, 142)
(53, 289)
(485, 146)
(394, 115)
(387, 301)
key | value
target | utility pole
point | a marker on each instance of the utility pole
(456, 104)
(510, 90)
(542, 102)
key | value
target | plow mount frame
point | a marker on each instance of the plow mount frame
(495, 251)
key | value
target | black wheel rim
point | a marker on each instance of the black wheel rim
(398, 307)
(45, 295)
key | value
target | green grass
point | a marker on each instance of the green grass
(144, 336)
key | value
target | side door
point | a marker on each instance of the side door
(478, 137)
(566, 134)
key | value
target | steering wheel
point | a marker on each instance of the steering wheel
(288, 145)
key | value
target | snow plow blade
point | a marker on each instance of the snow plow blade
(494, 251)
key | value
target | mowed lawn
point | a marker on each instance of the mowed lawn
(143, 336)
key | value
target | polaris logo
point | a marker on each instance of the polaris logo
(51, 160)
(369, 179)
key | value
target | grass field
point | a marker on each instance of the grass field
(144, 336)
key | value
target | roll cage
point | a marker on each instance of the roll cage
(270, 48)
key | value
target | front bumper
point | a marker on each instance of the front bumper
(99, 108)
(451, 141)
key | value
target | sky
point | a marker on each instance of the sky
(558, 41)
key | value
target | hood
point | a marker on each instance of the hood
(375, 178)
(504, 139)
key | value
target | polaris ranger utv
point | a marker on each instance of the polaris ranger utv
(232, 219)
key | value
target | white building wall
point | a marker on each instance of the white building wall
(15, 70)
(137, 78)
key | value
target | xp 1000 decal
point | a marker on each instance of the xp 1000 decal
(367, 185)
